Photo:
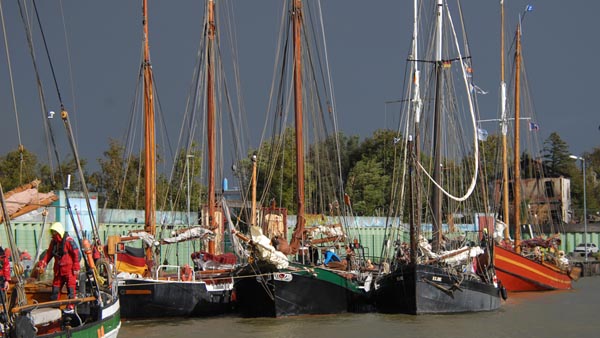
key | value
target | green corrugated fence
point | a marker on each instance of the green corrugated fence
(26, 235)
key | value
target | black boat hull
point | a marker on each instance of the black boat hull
(424, 289)
(279, 293)
(150, 298)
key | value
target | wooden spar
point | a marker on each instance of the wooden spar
(297, 26)
(504, 124)
(149, 144)
(53, 303)
(27, 208)
(210, 122)
(517, 163)
(436, 198)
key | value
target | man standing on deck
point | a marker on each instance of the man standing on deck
(66, 263)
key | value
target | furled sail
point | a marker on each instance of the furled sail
(26, 198)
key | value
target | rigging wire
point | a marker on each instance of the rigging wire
(47, 130)
(69, 62)
(471, 188)
(14, 99)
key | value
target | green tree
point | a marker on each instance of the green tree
(119, 180)
(556, 156)
(382, 146)
(491, 156)
(177, 190)
(368, 186)
(65, 174)
(17, 168)
(593, 181)
(375, 163)
(592, 196)
(276, 178)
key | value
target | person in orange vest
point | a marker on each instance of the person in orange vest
(65, 252)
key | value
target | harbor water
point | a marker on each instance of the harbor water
(554, 314)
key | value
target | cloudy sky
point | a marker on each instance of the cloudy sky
(368, 44)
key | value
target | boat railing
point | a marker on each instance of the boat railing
(177, 274)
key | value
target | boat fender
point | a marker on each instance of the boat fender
(186, 273)
(503, 293)
(501, 289)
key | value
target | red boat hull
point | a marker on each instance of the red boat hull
(518, 273)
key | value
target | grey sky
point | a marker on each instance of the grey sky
(368, 43)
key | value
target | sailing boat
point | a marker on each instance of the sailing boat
(446, 275)
(520, 265)
(149, 290)
(269, 285)
(26, 309)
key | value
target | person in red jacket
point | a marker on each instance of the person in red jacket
(4, 270)
(65, 252)
(4, 275)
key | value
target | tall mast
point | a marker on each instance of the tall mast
(504, 124)
(414, 188)
(149, 144)
(210, 124)
(517, 164)
(436, 197)
(297, 26)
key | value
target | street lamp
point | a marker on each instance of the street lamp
(584, 204)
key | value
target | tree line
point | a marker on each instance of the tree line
(365, 168)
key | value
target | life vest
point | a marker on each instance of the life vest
(59, 250)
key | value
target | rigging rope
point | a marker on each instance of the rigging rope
(474, 125)
(14, 100)
(47, 130)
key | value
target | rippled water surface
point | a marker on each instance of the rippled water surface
(555, 314)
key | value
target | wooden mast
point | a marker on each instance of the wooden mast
(436, 198)
(517, 163)
(149, 143)
(504, 125)
(297, 26)
(210, 124)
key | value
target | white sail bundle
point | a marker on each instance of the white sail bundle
(266, 251)
(26, 199)
(467, 254)
(147, 238)
(188, 234)
(330, 230)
